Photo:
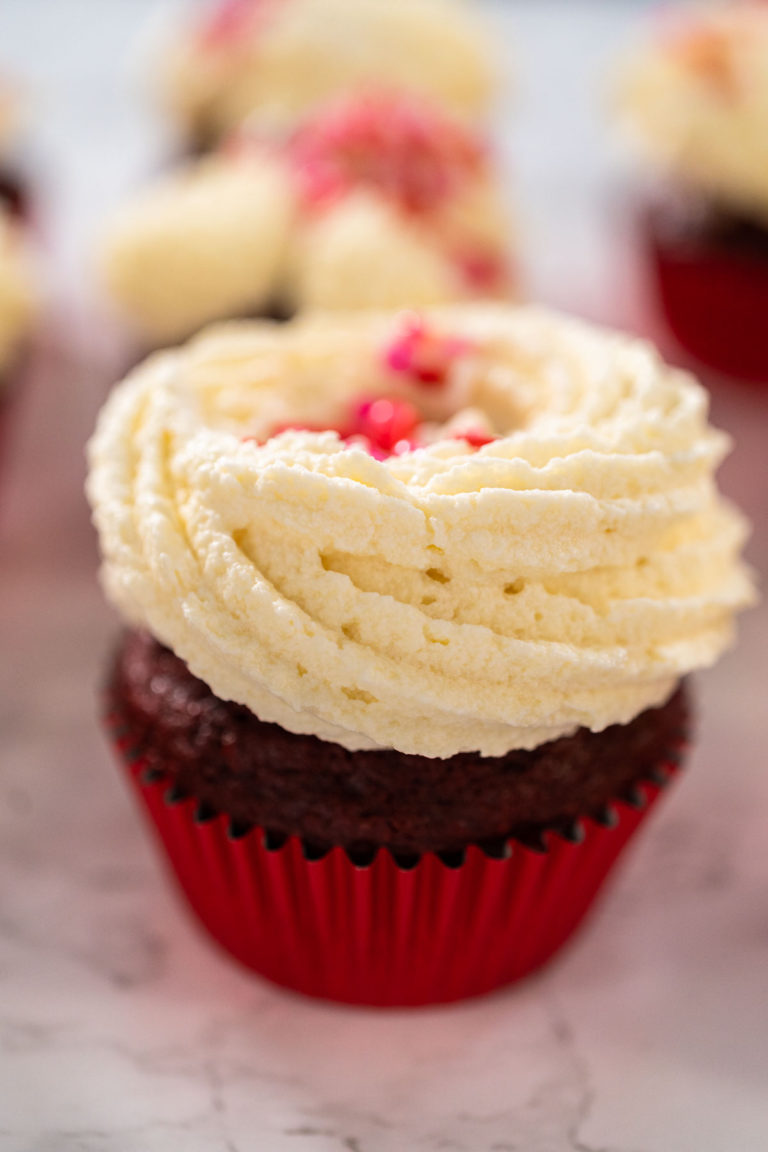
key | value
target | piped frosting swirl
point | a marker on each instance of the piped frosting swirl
(568, 571)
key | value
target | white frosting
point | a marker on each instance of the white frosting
(696, 100)
(448, 599)
(18, 295)
(293, 54)
(204, 243)
(228, 235)
(364, 254)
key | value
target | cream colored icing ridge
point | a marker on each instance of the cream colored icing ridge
(445, 600)
(18, 293)
(696, 101)
(295, 54)
(202, 244)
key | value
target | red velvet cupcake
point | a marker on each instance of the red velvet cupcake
(273, 61)
(697, 102)
(412, 600)
(14, 183)
(378, 200)
(18, 293)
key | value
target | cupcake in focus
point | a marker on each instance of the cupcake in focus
(411, 600)
(273, 61)
(375, 201)
(695, 100)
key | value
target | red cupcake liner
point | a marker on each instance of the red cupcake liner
(387, 932)
(714, 303)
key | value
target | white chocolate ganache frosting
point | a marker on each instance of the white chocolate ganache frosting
(695, 98)
(514, 532)
(375, 201)
(274, 60)
(204, 243)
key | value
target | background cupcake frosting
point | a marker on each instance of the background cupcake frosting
(376, 200)
(695, 98)
(274, 60)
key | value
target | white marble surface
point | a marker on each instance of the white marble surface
(121, 1029)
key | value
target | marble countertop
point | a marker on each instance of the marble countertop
(121, 1028)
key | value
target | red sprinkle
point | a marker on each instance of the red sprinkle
(475, 437)
(389, 425)
(382, 426)
(483, 271)
(409, 152)
(424, 356)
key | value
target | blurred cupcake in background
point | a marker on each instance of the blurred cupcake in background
(374, 200)
(18, 307)
(14, 183)
(695, 100)
(274, 60)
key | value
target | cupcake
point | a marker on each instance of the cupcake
(18, 308)
(14, 192)
(375, 201)
(411, 601)
(274, 60)
(696, 102)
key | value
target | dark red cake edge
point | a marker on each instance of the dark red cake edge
(534, 840)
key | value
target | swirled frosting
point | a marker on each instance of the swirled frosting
(696, 100)
(448, 597)
(376, 201)
(274, 60)
(18, 295)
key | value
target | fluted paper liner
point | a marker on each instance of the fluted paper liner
(713, 298)
(386, 933)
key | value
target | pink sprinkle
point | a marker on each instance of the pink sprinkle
(483, 271)
(388, 424)
(383, 426)
(475, 437)
(424, 356)
(409, 152)
(232, 21)
(287, 427)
